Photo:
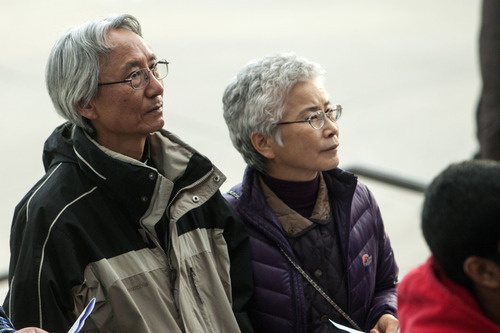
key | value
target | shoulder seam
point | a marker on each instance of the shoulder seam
(88, 164)
(39, 187)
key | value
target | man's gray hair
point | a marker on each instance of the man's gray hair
(72, 71)
(255, 100)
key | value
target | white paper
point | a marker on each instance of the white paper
(345, 328)
(348, 329)
(77, 326)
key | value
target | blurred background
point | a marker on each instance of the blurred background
(405, 72)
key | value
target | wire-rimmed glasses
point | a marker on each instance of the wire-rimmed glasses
(140, 78)
(317, 119)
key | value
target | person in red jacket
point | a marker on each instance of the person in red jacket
(458, 288)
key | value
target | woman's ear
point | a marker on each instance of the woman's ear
(482, 271)
(86, 110)
(262, 143)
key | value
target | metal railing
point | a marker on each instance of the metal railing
(377, 175)
(387, 178)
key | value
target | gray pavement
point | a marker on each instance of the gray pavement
(406, 73)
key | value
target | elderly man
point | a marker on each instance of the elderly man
(127, 213)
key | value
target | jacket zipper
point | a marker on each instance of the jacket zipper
(172, 270)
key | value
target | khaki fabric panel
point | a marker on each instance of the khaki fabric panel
(207, 308)
(132, 294)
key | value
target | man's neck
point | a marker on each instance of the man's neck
(131, 147)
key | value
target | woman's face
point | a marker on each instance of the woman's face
(305, 150)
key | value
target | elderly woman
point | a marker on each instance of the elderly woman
(319, 249)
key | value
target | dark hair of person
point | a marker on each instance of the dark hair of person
(461, 216)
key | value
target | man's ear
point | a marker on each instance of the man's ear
(262, 143)
(482, 271)
(86, 110)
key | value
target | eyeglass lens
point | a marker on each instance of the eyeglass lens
(160, 70)
(140, 78)
(317, 119)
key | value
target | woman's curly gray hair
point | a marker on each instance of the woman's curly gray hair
(255, 100)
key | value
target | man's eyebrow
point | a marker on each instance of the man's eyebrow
(137, 64)
(131, 65)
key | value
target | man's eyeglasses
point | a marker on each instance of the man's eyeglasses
(317, 119)
(140, 78)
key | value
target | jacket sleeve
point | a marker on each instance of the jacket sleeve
(37, 274)
(241, 269)
(384, 300)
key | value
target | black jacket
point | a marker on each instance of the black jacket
(156, 245)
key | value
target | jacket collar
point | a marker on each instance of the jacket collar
(129, 182)
(341, 184)
(252, 204)
(292, 222)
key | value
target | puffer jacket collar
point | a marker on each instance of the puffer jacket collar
(253, 203)
(341, 185)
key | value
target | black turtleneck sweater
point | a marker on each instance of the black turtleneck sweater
(300, 196)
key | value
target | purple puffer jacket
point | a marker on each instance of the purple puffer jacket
(278, 304)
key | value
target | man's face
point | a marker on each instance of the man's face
(121, 115)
